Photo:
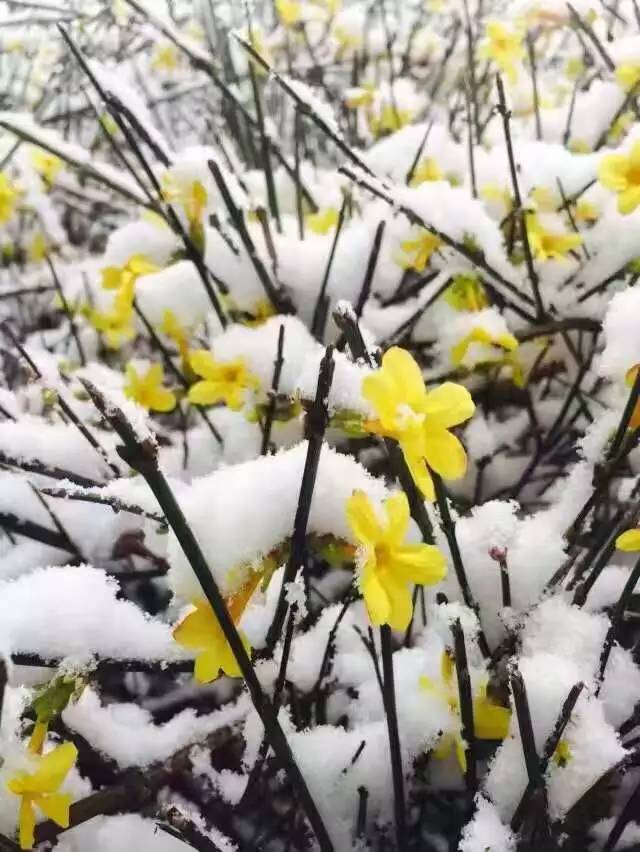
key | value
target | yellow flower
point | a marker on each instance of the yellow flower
(621, 173)
(418, 419)
(116, 324)
(629, 541)
(8, 198)
(504, 46)
(147, 389)
(322, 221)
(174, 331)
(497, 349)
(387, 566)
(260, 313)
(628, 74)
(466, 293)
(37, 248)
(358, 96)
(223, 381)
(579, 146)
(390, 119)
(490, 721)
(289, 11)
(200, 631)
(427, 170)
(585, 211)
(549, 245)
(574, 67)
(419, 250)
(495, 194)
(114, 277)
(562, 754)
(190, 194)
(40, 789)
(165, 57)
(47, 165)
(634, 422)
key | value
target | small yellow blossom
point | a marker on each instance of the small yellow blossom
(544, 200)
(562, 754)
(174, 331)
(549, 245)
(574, 67)
(490, 721)
(489, 349)
(579, 146)
(418, 419)
(359, 96)
(629, 540)
(387, 565)
(289, 11)
(389, 119)
(427, 170)
(466, 293)
(166, 57)
(634, 422)
(621, 173)
(37, 248)
(260, 313)
(40, 789)
(621, 127)
(200, 631)
(147, 389)
(504, 46)
(323, 221)
(116, 324)
(114, 277)
(190, 194)
(628, 75)
(418, 250)
(9, 196)
(222, 381)
(47, 165)
(585, 211)
(497, 195)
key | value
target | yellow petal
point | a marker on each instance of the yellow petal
(444, 452)
(202, 363)
(629, 200)
(111, 277)
(448, 405)
(375, 598)
(491, 721)
(461, 752)
(204, 393)
(397, 509)
(423, 564)
(380, 390)
(27, 821)
(56, 807)
(419, 471)
(53, 768)
(207, 666)
(362, 518)
(199, 628)
(612, 172)
(629, 540)
(400, 599)
(162, 400)
(405, 374)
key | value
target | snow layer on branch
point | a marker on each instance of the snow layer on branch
(154, 240)
(486, 831)
(241, 513)
(73, 611)
(122, 833)
(622, 338)
(177, 288)
(126, 732)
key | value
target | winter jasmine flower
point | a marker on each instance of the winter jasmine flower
(629, 540)
(323, 221)
(621, 173)
(40, 789)
(426, 170)
(547, 244)
(200, 631)
(165, 57)
(222, 381)
(389, 119)
(289, 11)
(628, 74)
(359, 96)
(490, 721)
(418, 251)
(466, 293)
(495, 349)
(418, 419)
(47, 165)
(191, 195)
(9, 196)
(175, 332)
(114, 277)
(386, 565)
(504, 46)
(147, 389)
